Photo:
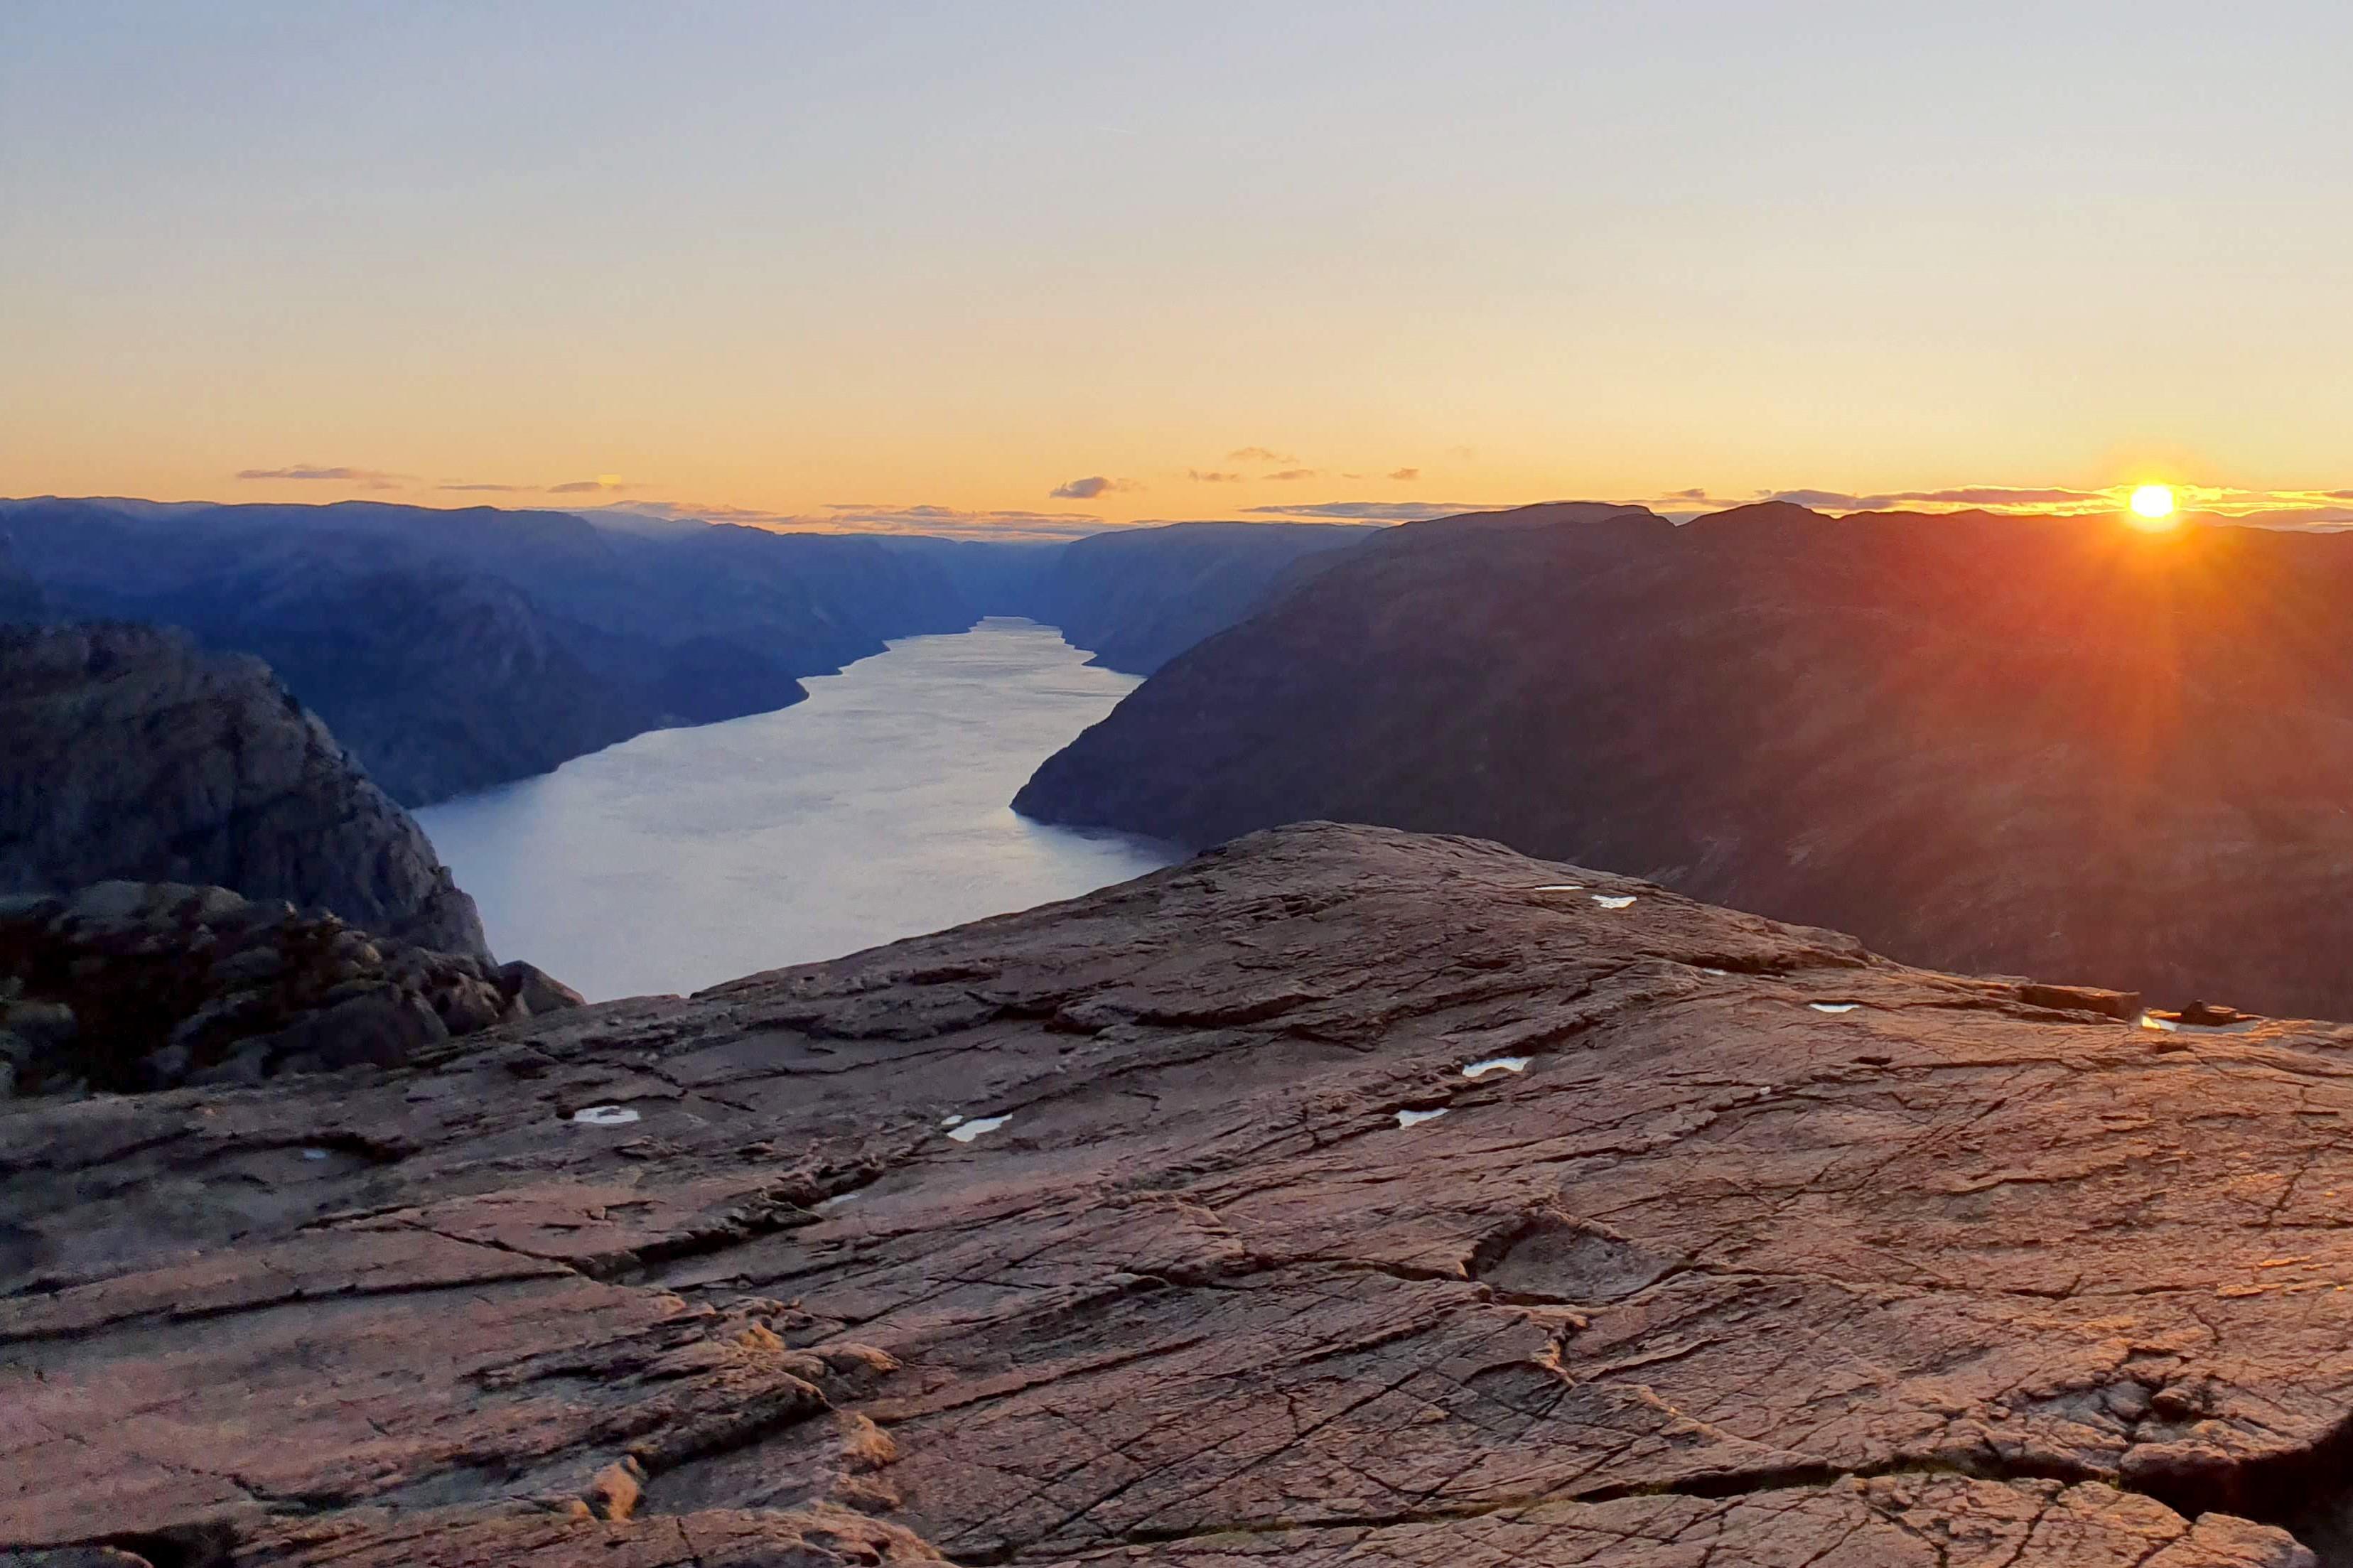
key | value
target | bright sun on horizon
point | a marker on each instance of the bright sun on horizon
(2152, 507)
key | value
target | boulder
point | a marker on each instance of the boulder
(538, 990)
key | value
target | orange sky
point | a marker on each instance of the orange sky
(925, 266)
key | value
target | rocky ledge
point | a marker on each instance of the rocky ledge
(1339, 1195)
(132, 985)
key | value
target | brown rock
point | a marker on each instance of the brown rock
(1696, 1284)
(538, 990)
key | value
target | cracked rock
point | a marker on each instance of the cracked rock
(1959, 1279)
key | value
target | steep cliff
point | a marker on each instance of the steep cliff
(1341, 1197)
(127, 754)
(1988, 744)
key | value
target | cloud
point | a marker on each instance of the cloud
(602, 482)
(1295, 474)
(1965, 495)
(1409, 475)
(1200, 478)
(1089, 487)
(863, 517)
(373, 478)
(1694, 493)
(1366, 511)
(498, 490)
(1259, 455)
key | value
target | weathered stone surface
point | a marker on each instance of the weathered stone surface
(131, 985)
(1938, 1279)
(1998, 744)
(125, 753)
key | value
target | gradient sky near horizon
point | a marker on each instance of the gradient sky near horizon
(860, 264)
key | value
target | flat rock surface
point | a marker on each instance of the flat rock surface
(1095, 1234)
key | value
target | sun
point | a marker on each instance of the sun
(2152, 508)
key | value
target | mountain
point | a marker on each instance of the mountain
(1993, 743)
(458, 649)
(454, 649)
(126, 753)
(1141, 597)
(1342, 1197)
(21, 599)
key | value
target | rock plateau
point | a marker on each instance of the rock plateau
(1338, 1196)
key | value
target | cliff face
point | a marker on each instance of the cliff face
(1340, 1197)
(125, 753)
(1986, 744)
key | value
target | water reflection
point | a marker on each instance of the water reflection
(875, 810)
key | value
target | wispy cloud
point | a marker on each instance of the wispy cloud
(1212, 476)
(864, 517)
(495, 490)
(1089, 488)
(1365, 510)
(1405, 475)
(601, 484)
(1289, 473)
(1259, 455)
(2053, 496)
(371, 478)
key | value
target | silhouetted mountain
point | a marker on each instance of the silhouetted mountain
(456, 650)
(20, 595)
(1141, 597)
(1987, 742)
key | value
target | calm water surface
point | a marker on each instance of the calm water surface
(874, 810)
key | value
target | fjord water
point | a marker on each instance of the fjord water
(875, 810)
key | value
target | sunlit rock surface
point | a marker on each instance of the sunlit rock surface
(1952, 1281)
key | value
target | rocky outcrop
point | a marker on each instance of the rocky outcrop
(126, 753)
(133, 986)
(1986, 744)
(1339, 1196)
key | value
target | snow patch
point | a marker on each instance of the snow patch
(1833, 1006)
(1416, 1118)
(976, 1126)
(604, 1116)
(1618, 902)
(1496, 1064)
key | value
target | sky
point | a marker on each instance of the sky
(1033, 267)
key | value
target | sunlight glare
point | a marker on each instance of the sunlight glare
(2152, 507)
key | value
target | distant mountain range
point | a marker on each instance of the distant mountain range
(455, 650)
(1990, 744)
